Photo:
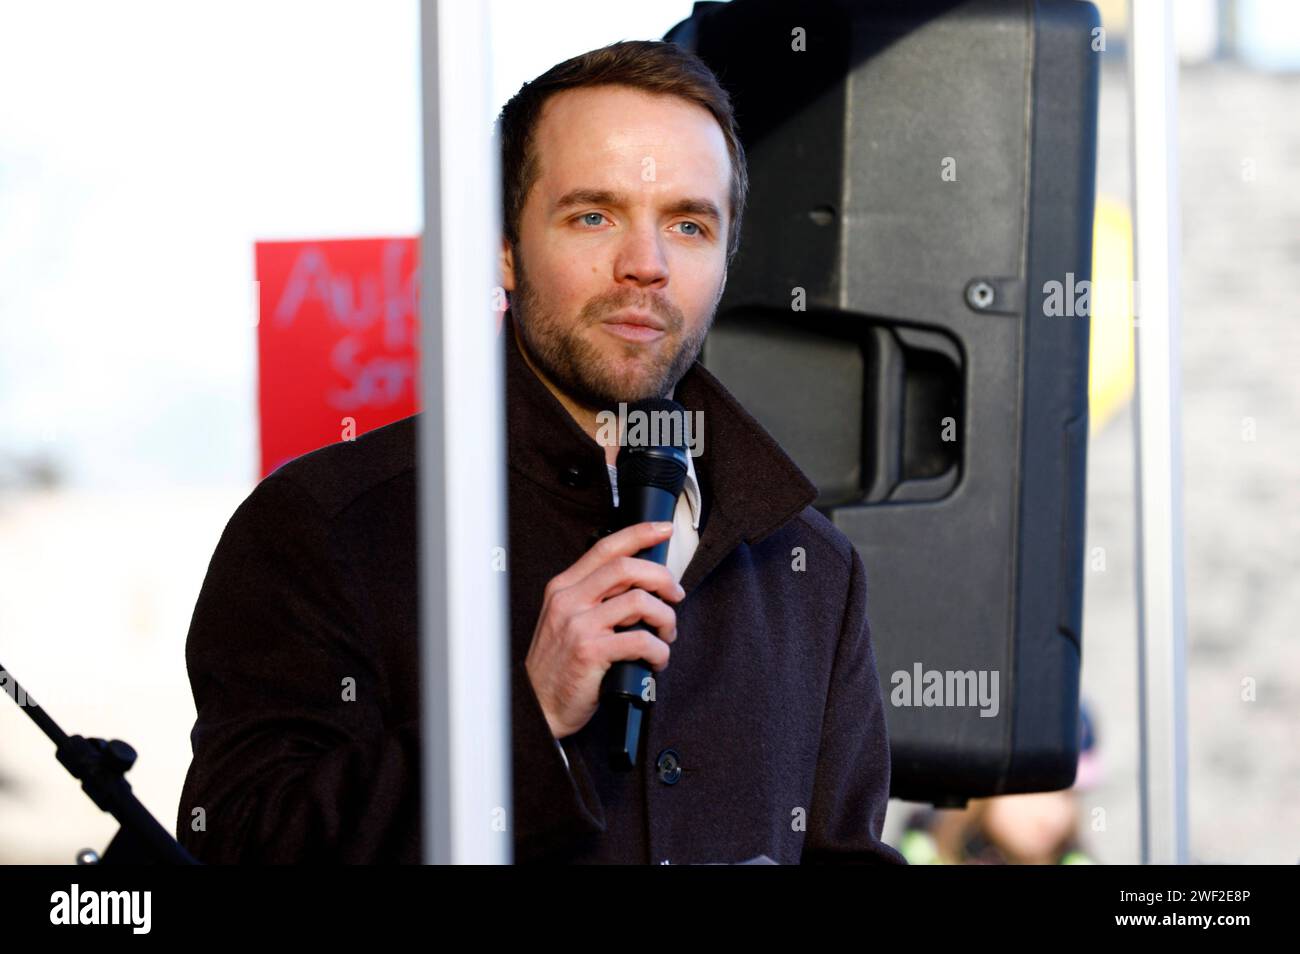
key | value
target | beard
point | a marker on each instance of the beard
(602, 372)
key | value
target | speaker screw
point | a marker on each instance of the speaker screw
(980, 295)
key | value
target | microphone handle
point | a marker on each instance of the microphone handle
(625, 685)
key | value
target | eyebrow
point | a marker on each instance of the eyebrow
(705, 208)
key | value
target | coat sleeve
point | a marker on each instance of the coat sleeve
(557, 808)
(294, 759)
(851, 789)
(295, 755)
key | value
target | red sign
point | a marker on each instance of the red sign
(337, 340)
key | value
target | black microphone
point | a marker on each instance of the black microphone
(651, 473)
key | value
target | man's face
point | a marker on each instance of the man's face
(618, 221)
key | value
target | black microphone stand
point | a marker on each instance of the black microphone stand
(101, 766)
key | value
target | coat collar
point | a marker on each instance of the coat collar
(749, 484)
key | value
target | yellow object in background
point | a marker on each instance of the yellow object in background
(1110, 345)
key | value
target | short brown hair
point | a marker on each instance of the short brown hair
(653, 66)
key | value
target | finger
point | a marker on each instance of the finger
(633, 645)
(625, 542)
(634, 606)
(622, 574)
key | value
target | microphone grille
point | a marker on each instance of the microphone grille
(654, 445)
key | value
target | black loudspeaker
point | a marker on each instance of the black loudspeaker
(921, 174)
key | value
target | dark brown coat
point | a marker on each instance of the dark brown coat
(771, 701)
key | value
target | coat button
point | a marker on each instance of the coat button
(669, 767)
(574, 476)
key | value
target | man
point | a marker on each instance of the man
(623, 189)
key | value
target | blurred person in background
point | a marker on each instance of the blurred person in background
(1034, 828)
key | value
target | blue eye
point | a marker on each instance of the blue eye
(699, 230)
(585, 215)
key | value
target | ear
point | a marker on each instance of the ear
(721, 287)
(507, 265)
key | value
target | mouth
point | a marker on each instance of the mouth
(634, 326)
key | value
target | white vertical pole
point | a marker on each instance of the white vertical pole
(464, 666)
(1162, 685)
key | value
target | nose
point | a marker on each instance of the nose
(641, 258)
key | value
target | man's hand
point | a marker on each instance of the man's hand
(574, 643)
